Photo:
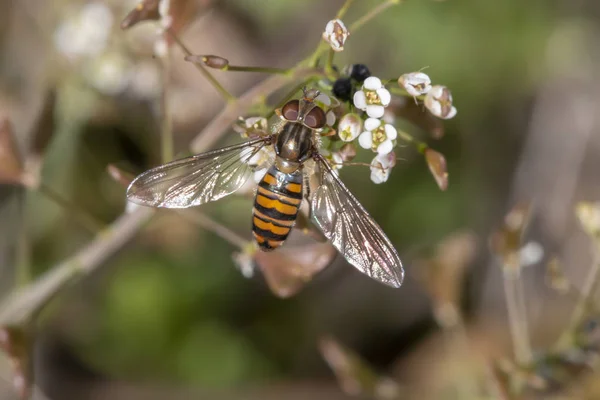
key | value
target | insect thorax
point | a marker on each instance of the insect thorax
(294, 143)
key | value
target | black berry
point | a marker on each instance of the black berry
(360, 72)
(342, 89)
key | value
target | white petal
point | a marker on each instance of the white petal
(384, 96)
(323, 98)
(329, 27)
(365, 140)
(330, 118)
(372, 123)
(372, 83)
(375, 111)
(385, 147)
(412, 90)
(451, 114)
(390, 132)
(435, 107)
(436, 91)
(531, 253)
(360, 100)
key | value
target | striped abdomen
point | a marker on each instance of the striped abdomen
(276, 205)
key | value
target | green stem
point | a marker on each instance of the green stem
(226, 95)
(266, 70)
(583, 305)
(356, 25)
(23, 254)
(72, 210)
(167, 118)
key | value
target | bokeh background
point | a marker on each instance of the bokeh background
(171, 315)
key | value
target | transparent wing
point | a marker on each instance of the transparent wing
(352, 231)
(198, 179)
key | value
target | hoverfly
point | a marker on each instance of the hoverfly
(215, 174)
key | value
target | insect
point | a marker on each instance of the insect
(215, 174)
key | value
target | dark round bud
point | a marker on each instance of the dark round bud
(342, 89)
(360, 72)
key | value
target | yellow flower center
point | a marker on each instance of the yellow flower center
(378, 136)
(372, 97)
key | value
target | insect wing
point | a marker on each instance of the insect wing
(198, 179)
(353, 232)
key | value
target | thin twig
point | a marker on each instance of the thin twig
(166, 132)
(356, 25)
(582, 307)
(219, 229)
(74, 211)
(25, 302)
(216, 84)
(517, 317)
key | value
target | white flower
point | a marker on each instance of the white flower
(330, 118)
(372, 98)
(336, 34)
(245, 263)
(350, 127)
(252, 127)
(262, 160)
(377, 136)
(415, 83)
(110, 74)
(85, 34)
(439, 101)
(381, 167)
(531, 253)
(335, 159)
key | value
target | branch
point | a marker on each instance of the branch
(28, 300)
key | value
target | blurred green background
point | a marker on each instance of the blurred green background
(171, 309)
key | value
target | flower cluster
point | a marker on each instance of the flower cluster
(366, 119)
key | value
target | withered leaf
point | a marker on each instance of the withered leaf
(16, 343)
(437, 165)
(354, 375)
(288, 269)
(11, 163)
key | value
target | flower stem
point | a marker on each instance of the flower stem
(87, 221)
(217, 228)
(266, 70)
(226, 95)
(372, 14)
(517, 316)
(23, 253)
(583, 304)
(167, 118)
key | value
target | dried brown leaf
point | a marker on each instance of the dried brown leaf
(555, 276)
(11, 163)
(354, 375)
(288, 269)
(443, 275)
(146, 10)
(15, 342)
(437, 165)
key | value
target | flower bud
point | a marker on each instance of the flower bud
(146, 10)
(336, 34)
(210, 61)
(350, 127)
(415, 83)
(439, 102)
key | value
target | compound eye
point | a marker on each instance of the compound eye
(316, 118)
(290, 110)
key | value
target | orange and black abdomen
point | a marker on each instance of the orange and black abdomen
(276, 205)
